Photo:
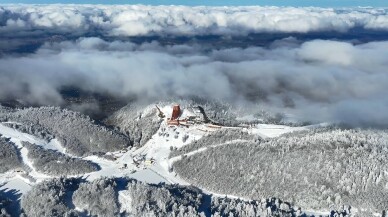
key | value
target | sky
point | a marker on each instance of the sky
(297, 3)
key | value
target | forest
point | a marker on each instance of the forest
(128, 197)
(79, 134)
(9, 155)
(326, 168)
(55, 163)
(317, 169)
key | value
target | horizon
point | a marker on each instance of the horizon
(278, 3)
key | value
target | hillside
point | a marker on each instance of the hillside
(9, 155)
(127, 197)
(79, 134)
(314, 169)
(220, 165)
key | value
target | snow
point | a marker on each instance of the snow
(125, 201)
(272, 130)
(114, 169)
(108, 168)
(157, 148)
(54, 144)
(317, 213)
(185, 112)
(16, 183)
(17, 138)
(149, 176)
(34, 173)
(177, 158)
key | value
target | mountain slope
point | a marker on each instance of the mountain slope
(9, 156)
(317, 169)
(79, 134)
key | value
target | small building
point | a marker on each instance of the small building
(176, 112)
(196, 115)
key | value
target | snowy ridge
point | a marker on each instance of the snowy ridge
(155, 164)
(158, 147)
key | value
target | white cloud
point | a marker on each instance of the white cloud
(329, 52)
(141, 20)
(320, 80)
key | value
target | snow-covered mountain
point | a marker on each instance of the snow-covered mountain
(213, 163)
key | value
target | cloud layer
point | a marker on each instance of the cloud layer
(317, 80)
(142, 20)
(91, 48)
